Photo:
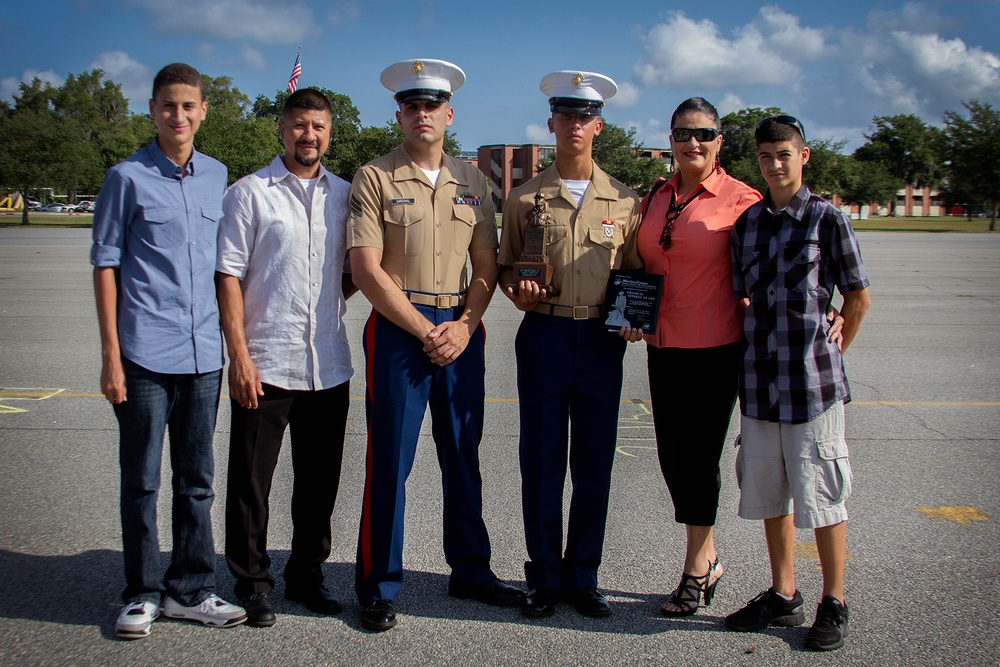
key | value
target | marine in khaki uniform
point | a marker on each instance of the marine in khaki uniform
(569, 368)
(417, 215)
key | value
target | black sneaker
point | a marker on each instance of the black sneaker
(828, 631)
(766, 609)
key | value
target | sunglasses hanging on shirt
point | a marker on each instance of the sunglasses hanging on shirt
(674, 212)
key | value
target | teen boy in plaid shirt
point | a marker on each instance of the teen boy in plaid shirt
(790, 251)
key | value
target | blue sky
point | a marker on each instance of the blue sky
(832, 64)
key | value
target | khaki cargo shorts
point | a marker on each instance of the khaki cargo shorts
(799, 469)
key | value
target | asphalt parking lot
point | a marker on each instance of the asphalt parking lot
(923, 537)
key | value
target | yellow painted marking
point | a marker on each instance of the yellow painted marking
(8, 394)
(621, 449)
(958, 514)
(808, 551)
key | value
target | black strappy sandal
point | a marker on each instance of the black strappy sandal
(687, 596)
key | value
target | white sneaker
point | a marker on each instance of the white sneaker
(213, 611)
(136, 620)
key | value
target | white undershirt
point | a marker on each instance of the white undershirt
(577, 189)
(432, 174)
(309, 185)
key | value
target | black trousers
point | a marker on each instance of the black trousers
(693, 393)
(317, 420)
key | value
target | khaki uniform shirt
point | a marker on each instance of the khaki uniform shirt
(583, 244)
(425, 233)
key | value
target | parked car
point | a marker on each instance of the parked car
(55, 208)
(34, 205)
(85, 207)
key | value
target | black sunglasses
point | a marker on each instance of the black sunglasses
(785, 120)
(702, 134)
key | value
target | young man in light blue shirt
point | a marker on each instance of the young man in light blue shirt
(155, 225)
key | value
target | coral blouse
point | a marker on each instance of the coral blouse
(698, 308)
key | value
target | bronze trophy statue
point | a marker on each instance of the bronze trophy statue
(534, 265)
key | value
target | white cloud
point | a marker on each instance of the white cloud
(784, 33)
(628, 95)
(252, 58)
(10, 85)
(135, 78)
(537, 134)
(911, 17)
(287, 22)
(900, 72)
(653, 133)
(949, 65)
(686, 52)
(343, 12)
(729, 103)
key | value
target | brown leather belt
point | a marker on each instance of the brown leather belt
(576, 312)
(436, 300)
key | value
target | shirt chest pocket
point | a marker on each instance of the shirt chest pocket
(403, 234)
(162, 227)
(602, 249)
(210, 223)
(463, 222)
(801, 267)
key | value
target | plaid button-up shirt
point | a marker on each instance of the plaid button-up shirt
(788, 263)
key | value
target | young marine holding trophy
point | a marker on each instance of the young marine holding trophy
(563, 233)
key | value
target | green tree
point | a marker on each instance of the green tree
(98, 107)
(907, 147)
(974, 138)
(40, 149)
(371, 142)
(866, 182)
(620, 154)
(824, 173)
(232, 133)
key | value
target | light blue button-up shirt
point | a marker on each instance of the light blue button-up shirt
(158, 226)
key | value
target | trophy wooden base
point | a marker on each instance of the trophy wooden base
(536, 272)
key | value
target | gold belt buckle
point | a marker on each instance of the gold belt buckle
(581, 312)
(443, 301)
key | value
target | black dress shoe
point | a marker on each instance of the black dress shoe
(589, 602)
(539, 603)
(318, 599)
(260, 612)
(378, 616)
(496, 593)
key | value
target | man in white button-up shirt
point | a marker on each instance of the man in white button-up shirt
(282, 292)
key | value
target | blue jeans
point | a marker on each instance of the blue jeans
(186, 406)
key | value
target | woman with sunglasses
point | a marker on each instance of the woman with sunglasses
(693, 357)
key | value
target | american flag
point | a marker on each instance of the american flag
(293, 80)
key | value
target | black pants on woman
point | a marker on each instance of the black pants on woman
(693, 392)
